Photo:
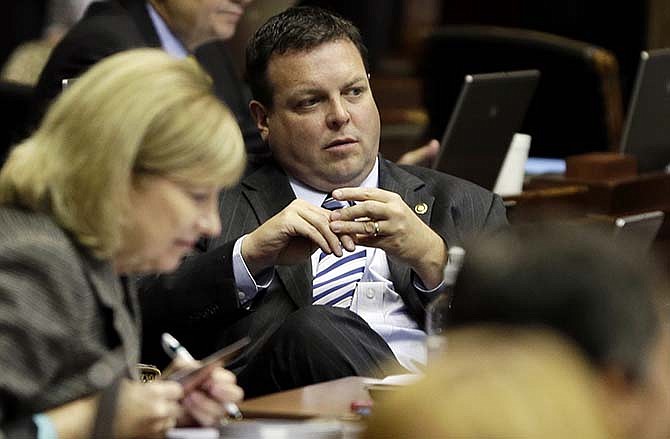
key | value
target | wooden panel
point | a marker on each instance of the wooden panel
(330, 399)
(559, 198)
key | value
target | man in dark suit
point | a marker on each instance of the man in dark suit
(266, 275)
(179, 27)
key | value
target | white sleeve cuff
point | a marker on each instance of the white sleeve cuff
(418, 284)
(247, 286)
(45, 428)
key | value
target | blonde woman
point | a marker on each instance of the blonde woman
(121, 177)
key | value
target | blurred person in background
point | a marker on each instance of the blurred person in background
(121, 177)
(598, 293)
(26, 61)
(180, 27)
(498, 382)
(62, 15)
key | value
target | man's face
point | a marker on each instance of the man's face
(198, 21)
(323, 125)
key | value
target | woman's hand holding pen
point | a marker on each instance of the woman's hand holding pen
(206, 404)
(134, 417)
(213, 399)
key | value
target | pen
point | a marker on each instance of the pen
(174, 349)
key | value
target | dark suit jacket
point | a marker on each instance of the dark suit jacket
(113, 26)
(66, 326)
(200, 302)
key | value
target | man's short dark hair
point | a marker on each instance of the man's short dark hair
(299, 28)
(573, 281)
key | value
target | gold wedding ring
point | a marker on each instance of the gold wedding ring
(148, 372)
(376, 232)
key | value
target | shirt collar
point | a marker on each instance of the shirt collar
(169, 41)
(315, 197)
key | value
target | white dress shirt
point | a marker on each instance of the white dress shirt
(375, 299)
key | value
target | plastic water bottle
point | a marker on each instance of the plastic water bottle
(438, 310)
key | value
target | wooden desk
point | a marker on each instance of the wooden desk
(616, 196)
(331, 399)
(556, 197)
(560, 198)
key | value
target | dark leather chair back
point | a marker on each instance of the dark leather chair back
(577, 106)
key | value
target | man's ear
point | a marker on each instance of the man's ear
(623, 400)
(260, 115)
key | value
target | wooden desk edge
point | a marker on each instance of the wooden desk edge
(307, 402)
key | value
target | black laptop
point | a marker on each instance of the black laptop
(489, 110)
(646, 133)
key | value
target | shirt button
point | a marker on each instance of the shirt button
(241, 295)
(370, 293)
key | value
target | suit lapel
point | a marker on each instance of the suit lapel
(410, 188)
(108, 288)
(138, 10)
(266, 200)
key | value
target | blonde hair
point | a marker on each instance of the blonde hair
(498, 383)
(136, 112)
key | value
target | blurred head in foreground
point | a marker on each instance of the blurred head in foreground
(498, 382)
(596, 292)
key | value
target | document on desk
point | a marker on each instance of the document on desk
(404, 379)
(192, 433)
(265, 429)
(381, 388)
(393, 381)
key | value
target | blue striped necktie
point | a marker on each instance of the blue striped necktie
(336, 278)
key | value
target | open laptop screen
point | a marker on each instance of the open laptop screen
(489, 110)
